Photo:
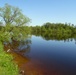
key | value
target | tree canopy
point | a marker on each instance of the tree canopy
(11, 15)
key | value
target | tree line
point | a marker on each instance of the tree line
(55, 30)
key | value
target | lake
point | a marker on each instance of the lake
(38, 56)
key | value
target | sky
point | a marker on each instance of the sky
(42, 11)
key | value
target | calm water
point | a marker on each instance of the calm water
(38, 56)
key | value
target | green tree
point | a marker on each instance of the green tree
(11, 15)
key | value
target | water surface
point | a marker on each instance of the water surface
(37, 56)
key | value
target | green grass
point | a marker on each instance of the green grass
(7, 66)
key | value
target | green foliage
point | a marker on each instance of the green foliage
(55, 31)
(12, 16)
(7, 66)
(5, 36)
(15, 23)
(15, 33)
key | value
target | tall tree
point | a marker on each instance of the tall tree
(11, 15)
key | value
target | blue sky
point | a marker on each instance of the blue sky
(42, 11)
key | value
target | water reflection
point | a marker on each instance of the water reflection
(57, 37)
(36, 56)
(19, 50)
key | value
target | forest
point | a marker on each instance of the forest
(59, 31)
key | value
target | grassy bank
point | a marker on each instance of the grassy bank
(7, 66)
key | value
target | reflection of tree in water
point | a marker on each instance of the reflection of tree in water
(19, 50)
(57, 37)
(20, 47)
